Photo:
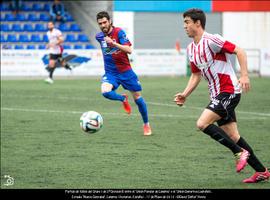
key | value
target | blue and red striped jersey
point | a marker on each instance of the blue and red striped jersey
(115, 60)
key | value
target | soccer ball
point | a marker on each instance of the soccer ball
(91, 122)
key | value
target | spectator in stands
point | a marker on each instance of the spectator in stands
(57, 12)
(15, 6)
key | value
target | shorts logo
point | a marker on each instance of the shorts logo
(214, 103)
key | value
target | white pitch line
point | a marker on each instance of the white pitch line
(150, 103)
(116, 114)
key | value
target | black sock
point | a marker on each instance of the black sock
(253, 161)
(51, 72)
(67, 66)
(219, 135)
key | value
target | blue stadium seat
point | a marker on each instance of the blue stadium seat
(75, 28)
(44, 17)
(11, 38)
(71, 38)
(78, 46)
(46, 7)
(31, 46)
(23, 38)
(37, 7)
(35, 38)
(9, 17)
(40, 28)
(26, 7)
(42, 46)
(5, 28)
(83, 38)
(63, 27)
(45, 38)
(19, 46)
(33, 17)
(16, 28)
(69, 18)
(3, 39)
(4, 7)
(28, 28)
(66, 46)
(2, 17)
(21, 17)
(89, 46)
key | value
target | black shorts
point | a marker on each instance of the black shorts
(55, 56)
(224, 105)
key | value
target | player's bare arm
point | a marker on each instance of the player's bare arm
(193, 82)
(242, 59)
(124, 48)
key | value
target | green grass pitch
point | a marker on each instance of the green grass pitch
(42, 145)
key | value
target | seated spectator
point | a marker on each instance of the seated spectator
(57, 12)
(15, 6)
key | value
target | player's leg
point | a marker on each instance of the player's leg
(261, 171)
(142, 107)
(206, 124)
(51, 68)
(64, 63)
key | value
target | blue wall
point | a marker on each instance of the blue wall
(161, 6)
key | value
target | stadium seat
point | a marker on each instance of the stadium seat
(26, 7)
(5, 7)
(66, 46)
(21, 17)
(23, 38)
(89, 46)
(11, 38)
(83, 38)
(3, 39)
(16, 28)
(36, 38)
(31, 46)
(69, 18)
(71, 38)
(2, 17)
(19, 46)
(63, 27)
(28, 28)
(75, 28)
(33, 17)
(46, 7)
(40, 28)
(9, 17)
(77, 46)
(37, 7)
(45, 38)
(42, 46)
(5, 28)
(44, 17)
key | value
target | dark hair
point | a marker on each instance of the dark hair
(103, 14)
(196, 14)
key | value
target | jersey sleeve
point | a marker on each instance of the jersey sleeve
(219, 45)
(194, 68)
(123, 38)
(58, 33)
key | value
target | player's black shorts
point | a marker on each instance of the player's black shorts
(55, 56)
(224, 105)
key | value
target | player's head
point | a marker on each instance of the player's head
(50, 25)
(194, 19)
(104, 22)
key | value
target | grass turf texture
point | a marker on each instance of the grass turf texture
(42, 145)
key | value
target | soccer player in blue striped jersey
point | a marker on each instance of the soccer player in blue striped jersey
(115, 46)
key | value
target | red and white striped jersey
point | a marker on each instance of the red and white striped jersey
(53, 37)
(210, 57)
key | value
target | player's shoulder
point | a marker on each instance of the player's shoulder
(99, 35)
(212, 37)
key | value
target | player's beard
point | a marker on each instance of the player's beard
(106, 30)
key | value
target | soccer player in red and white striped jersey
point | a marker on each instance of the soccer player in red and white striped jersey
(208, 56)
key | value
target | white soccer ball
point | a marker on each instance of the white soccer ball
(91, 122)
